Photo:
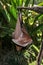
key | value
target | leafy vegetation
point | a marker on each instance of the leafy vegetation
(33, 22)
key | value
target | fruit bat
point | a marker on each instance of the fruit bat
(20, 36)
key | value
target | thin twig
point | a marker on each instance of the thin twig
(40, 55)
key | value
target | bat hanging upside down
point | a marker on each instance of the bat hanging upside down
(20, 35)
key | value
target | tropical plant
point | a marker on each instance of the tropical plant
(33, 22)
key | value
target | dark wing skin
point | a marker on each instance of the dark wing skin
(18, 31)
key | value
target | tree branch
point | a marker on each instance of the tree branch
(40, 55)
(38, 9)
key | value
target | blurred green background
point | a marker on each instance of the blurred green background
(33, 22)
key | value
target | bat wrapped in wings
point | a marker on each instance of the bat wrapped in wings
(20, 36)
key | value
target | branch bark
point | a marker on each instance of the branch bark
(38, 9)
(40, 55)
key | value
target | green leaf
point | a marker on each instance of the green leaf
(27, 2)
(36, 18)
(32, 53)
(40, 4)
(33, 2)
(40, 17)
(37, 28)
(33, 63)
(21, 2)
(5, 12)
(13, 11)
(13, 3)
(17, 1)
(7, 15)
(35, 48)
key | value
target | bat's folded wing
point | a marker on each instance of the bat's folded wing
(23, 40)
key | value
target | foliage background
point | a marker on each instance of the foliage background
(34, 25)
